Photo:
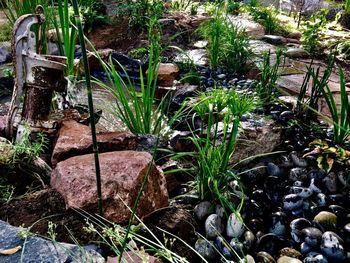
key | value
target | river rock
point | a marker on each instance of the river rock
(5, 52)
(326, 221)
(41, 250)
(274, 40)
(315, 257)
(234, 227)
(332, 247)
(213, 226)
(285, 259)
(122, 174)
(312, 236)
(75, 139)
(203, 209)
(296, 53)
(205, 248)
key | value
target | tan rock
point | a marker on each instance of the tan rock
(75, 139)
(122, 174)
(132, 257)
(167, 73)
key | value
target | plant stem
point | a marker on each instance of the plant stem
(91, 104)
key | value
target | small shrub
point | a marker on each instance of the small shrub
(311, 34)
(5, 32)
(267, 16)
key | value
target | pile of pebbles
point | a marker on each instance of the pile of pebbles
(293, 211)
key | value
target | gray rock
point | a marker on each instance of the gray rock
(213, 226)
(203, 209)
(265, 257)
(296, 53)
(299, 162)
(205, 248)
(303, 192)
(5, 52)
(332, 247)
(296, 226)
(274, 40)
(35, 249)
(297, 174)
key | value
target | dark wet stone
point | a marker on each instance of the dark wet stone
(297, 174)
(255, 224)
(299, 162)
(237, 246)
(321, 199)
(249, 240)
(296, 226)
(222, 245)
(264, 257)
(330, 181)
(315, 257)
(305, 248)
(270, 243)
(213, 226)
(286, 116)
(326, 221)
(292, 202)
(332, 247)
(316, 174)
(203, 209)
(312, 236)
(274, 170)
(303, 192)
(278, 224)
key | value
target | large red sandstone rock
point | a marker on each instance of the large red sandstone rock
(167, 73)
(75, 139)
(122, 174)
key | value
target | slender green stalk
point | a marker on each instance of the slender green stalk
(91, 104)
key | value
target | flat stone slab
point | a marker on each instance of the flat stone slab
(39, 250)
(254, 29)
(198, 56)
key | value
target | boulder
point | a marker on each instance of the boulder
(253, 29)
(122, 174)
(274, 40)
(167, 73)
(36, 249)
(5, 52)
(75, 139)
(256, 137)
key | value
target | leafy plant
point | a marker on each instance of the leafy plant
(233, 6)
(94, 13)
(268, 76)
(311, 33)
(341, 119)
(343, 48)
(215, 145)
(328, 155)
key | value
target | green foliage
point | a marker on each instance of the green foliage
(268, 76)
(181, 5)
(216, 143)
(94, 13)
(233, 6)
(343, 49)
(66, 34)
(327, 155)
(214, 32)
(227, 44)
(141, 11)
(341, 119)
(5, 32)
(137, 109)
(16, 8)
(309, 105)
(138, 53)
(311, 33)
(347, 6)
(267, 16)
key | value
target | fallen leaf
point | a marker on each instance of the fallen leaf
(10, 251)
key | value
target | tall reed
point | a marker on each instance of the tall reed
(91, 104)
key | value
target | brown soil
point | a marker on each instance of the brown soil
(38, 209)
